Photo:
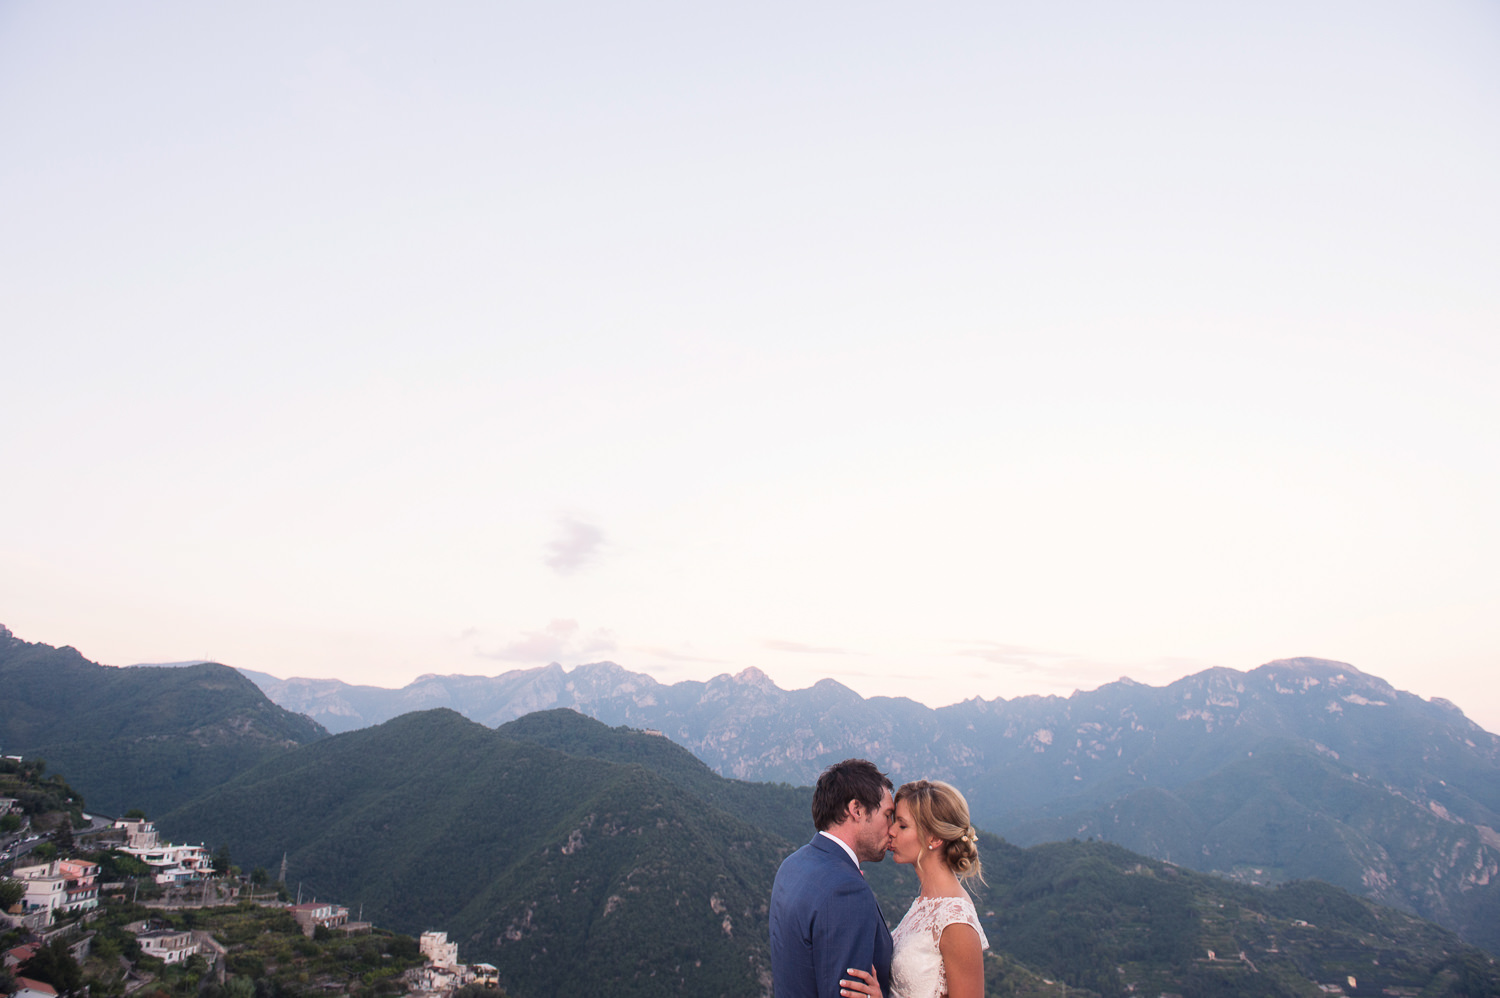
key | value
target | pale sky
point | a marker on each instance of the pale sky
(943, 350)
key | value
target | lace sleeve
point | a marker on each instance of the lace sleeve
(952, 910)
(917, 969)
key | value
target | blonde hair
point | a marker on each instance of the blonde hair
(940, 812)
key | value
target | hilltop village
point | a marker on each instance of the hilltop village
(90, 905)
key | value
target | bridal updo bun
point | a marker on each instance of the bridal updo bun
(940, 812)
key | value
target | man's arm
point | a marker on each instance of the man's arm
(843, 935)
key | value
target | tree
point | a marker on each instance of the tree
(106, 948)
(239, 987)
(63, 834)
(222, 861)
(11, 891)
(55, 965)
(135, 814)
(116, 865)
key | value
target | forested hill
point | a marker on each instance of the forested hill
(138, 737)
(1301, 768)
(587, 860)
(565, 871)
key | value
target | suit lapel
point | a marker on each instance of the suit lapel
(824, 844)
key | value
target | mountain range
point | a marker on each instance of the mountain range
(585, 859)
(1299, 768)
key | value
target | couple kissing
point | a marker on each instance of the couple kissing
(828, 936)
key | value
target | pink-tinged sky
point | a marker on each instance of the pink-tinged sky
(977, 349)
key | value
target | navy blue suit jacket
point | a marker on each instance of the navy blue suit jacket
(824, 920)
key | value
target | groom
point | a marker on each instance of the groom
(824, 919)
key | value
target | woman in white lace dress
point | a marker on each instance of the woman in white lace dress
(939, 946)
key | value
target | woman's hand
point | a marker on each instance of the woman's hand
(865, 985)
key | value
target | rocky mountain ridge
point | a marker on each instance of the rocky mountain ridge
(1299, 768)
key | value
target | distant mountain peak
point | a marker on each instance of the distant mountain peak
(1308, 672)
(1310, 663)
(431, 677)
(751, 676)
(606, 667)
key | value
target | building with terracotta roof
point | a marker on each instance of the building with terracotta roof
(27, 988)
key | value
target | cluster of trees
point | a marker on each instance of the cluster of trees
(35, 792)
(54, 965)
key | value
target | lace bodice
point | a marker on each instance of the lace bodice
(917, 964)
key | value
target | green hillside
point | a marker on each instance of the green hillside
(142, 737)
(1102, 918)
(780, 809)
(1290, 813)
(585, 859)
(564, 871)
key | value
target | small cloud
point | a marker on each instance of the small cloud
(561, 639)
(798, 648)
(576, 544)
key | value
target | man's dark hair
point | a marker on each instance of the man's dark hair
(852, 779)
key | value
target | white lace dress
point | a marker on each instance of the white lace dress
(916, 962)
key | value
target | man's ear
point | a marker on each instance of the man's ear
(854, 808)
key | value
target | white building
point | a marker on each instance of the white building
(169, 864)
(167, 945)
(314, 914)
(46, 890)
(138, 834)
(438, 950)
(62, 885)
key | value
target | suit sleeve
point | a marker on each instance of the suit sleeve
(843, 935)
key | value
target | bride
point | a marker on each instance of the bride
(939, 944)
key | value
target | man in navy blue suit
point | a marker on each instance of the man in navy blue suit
(824, 919)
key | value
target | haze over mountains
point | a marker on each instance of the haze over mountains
(1299, 768)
